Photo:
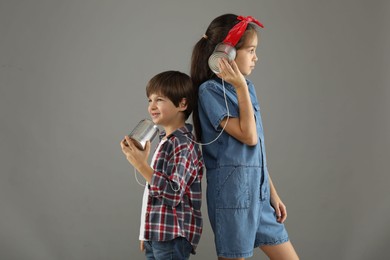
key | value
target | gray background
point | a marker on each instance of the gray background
(72, 80)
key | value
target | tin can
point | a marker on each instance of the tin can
(222, 50)
(145, 131)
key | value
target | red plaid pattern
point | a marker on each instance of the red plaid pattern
(175, 192)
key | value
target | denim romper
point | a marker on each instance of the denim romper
(238, 198)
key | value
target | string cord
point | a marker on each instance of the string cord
(143, 185)
(224, 126)
(136, 178)
(212, 141)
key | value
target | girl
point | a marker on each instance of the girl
(244, 208)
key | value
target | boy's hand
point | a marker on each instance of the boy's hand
(141, 245)
(134, 155)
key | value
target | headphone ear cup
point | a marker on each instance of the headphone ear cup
(222, 50)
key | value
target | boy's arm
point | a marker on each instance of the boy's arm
(138, 158)
(171, 188)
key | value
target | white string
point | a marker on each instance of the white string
(170, 183)
(227, 119)
(143, 185)
(135, 175)
(220, 133)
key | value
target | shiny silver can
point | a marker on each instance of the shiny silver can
(145, 131)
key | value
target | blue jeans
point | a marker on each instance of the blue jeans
(176, 249)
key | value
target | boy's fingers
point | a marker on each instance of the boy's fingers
(123, 144)
(147, 146)
(130, 143)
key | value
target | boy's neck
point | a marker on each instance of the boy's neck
(172, 128)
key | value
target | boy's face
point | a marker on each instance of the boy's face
(246, 55)
(163, 112)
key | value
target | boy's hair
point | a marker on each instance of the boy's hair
(174, 85)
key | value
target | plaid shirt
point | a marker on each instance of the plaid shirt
(175, 194)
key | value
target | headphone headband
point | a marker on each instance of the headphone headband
(238, 30)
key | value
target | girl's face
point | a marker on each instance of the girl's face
(163, 112)
(246, 55)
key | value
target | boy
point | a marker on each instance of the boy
(172, 221)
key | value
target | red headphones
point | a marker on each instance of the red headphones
(226, 48)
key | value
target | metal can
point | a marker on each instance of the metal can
(145, 131)
(222, 50)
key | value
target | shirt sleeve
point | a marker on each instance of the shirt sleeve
(170, 184)
(212, 101)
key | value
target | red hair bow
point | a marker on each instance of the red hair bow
(238, 30)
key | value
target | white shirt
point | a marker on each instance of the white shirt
(146, 195)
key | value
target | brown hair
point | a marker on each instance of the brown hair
(200, 71)
(174, 85)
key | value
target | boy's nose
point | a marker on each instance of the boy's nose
(152, 106)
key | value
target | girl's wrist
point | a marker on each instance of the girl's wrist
(240, 85)
(274, 194)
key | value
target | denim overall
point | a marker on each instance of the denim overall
(238, 198)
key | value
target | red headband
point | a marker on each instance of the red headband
(238, 30)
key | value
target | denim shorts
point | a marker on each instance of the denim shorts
(176, 249)
(240, 212)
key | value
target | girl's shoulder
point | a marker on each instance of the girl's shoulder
(217, 82)
(211, 83)
(216, 85)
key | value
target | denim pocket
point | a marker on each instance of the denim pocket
(232, 189)
(259, 123)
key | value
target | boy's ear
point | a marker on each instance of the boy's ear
(183, 104)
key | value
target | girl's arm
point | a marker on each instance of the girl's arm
(242, 128)
(280, 208)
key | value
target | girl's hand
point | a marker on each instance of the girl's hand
(141, 245)
(230, 73)
(134, 155)
(280, 208)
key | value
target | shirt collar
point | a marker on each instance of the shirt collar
(228, 85)
(185, 130)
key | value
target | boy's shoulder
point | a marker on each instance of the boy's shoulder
(181, 135)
